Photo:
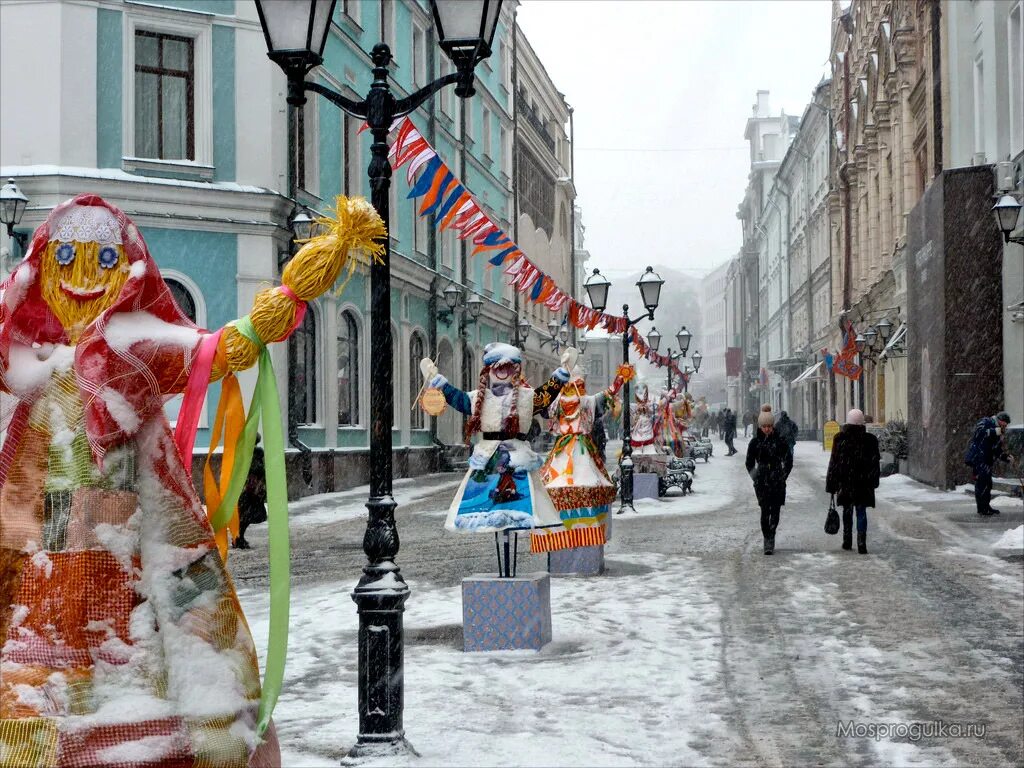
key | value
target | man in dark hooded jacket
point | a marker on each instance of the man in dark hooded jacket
(986, 446)
(853, 472)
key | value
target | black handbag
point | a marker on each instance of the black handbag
(832, 518)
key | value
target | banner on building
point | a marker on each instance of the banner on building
(733, 361)
(844, 363)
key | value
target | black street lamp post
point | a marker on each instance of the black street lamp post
(296, 32)
(650, 291)
(521, 332)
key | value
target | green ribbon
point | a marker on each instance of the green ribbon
(265, 404)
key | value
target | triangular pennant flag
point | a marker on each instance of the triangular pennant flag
(417, 162)
(499, 258)
(427, 178)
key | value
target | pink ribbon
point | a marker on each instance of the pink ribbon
(300, 310)
(195, 392)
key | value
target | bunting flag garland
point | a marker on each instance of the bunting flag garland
(444, 197)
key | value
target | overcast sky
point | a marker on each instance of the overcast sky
(675, 75)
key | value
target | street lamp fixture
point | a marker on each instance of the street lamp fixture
(563, 334)
(597, 286)
(581, 345)
(884, 327)
(12, 207)
(522, 331)
(1007, 211)
(475, 305)
(696, 357)
(683, 339)
(860, 341)
(455, 300)
(303, 225)
(869, 338)
(650, 290)
(296, 32)
(653, 339)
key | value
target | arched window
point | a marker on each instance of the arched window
(183, 297)
(303, 364)
(348, 370)
(417, 351)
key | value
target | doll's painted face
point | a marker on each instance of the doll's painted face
(80, 280)
(641, 393)
(84, 266)
(575, 388)
(503, 377)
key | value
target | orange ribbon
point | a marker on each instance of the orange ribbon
(230, 419)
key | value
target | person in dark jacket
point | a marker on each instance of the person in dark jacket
(787, 429)
(252, 502)
(748, 422)
(769, 462)
(986, 446)
(600, 438)
(853, 472)
(729, 430)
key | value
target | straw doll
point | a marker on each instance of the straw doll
(574, 473)
(123, 641)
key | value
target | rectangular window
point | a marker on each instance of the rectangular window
(485, 131)
(979, 105)
(164, 96)
(419, 231)
(446, 68)
(419, 56)
(355, 172)
(387, 22)
(1015, 64)
(351, 9)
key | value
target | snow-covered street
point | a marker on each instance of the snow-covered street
(693, 648)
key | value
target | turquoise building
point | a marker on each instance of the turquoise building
(172, 111)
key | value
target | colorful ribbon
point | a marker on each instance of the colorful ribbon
(265, 405)
(195, 392)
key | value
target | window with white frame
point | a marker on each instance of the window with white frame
(302, 360)
(355, 172)
(505, 150)
(307, 151)
(387, 22)
(419, 231)
(167, 109)
(348, 369)
(1015, 66)
(419, 56)
(164, 96)
(979, 104)
(506, 66)
(485, 131)
(417, 351)
(446, 68)
(183, 298)
(351, 8)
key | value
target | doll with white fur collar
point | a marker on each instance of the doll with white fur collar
(502, 489)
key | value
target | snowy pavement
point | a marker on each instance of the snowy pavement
(694, 648)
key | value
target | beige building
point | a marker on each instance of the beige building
(886, 150)
(543, 193)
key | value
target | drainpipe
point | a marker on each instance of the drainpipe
(937, 83)
(572, 216)
(515, 163)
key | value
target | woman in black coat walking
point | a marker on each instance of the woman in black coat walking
(769, 463)
(853, 474)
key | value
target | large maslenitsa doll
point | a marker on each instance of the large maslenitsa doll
(502, 490)
(574, 473)
(122, 641)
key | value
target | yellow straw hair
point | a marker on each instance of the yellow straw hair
(84, 273)
(350, 240)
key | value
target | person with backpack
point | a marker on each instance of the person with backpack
(787, 429)
(985, 448)
(853, 473)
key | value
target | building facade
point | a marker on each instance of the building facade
(203, 171)
(763, 213)
(887, 149)
(714, 340)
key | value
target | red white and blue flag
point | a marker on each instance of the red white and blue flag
(844, 363)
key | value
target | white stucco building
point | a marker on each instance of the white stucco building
(713, 340)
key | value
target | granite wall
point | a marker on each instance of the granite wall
(954, 327)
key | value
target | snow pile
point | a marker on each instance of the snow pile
(1011, 543)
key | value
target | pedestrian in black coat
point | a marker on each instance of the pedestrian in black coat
(853, 472)
(769, 462)
(986, 446)
(787, 429)
(252, 502)
(729, 430)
